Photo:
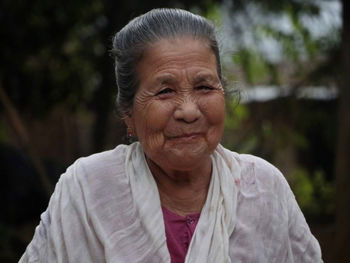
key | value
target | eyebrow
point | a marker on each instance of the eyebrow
(199, 78)
(205, 78)
(164, 79)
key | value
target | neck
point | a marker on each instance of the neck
(182, 192)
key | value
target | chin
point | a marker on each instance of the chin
(186, 158)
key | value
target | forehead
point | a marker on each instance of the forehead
(179, 53)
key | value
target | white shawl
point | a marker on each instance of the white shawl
(106, 209)
(210, 242)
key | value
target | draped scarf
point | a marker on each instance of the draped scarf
(210, 241)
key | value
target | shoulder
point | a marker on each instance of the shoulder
(101, 164)
(264, 171)
(258, 175)
(89, 177)
(81, 208)
(92, 184)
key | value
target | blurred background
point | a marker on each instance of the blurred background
(290, 61)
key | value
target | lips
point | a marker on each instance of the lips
(186, 136)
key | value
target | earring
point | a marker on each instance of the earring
(130, 132)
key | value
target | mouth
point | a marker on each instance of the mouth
(185, 136)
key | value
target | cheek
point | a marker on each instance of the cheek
(214, 109)
(151, 122)
(154, 120)
(157, 115)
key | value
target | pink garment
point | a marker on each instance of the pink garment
(179, 231)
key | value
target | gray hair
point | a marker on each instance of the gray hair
(130, 43)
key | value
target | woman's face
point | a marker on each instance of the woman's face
(179, 107)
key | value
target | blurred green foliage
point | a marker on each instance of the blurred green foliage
(314, 193)
(296, 134)
(50, 50)
(309, 158)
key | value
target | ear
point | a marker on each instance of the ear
(129, 122)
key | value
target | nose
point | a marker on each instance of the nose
(187, 111)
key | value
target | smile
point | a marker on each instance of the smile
(186, 136)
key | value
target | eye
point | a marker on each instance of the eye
(164, 92)
(205, 88)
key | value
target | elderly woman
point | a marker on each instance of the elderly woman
(176, 195)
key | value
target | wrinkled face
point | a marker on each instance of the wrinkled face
(179, 107)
